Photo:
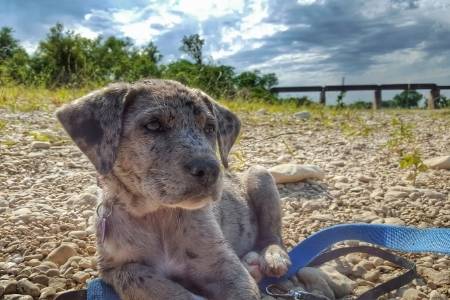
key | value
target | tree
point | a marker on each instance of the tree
(152, 52)
(8, 44)
(14, 60)
(192, 45)
(407, 99)
(254, 85)
(64, 58)
(442, 102)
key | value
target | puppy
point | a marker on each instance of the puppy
(173, 224)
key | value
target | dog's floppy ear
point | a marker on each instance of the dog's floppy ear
(94, 122)
(228, 127)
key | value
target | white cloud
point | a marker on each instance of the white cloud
(310, 57)
(203, 10)
(85, 32)
(29, 46)
(250, 30)
(308, 2)
(137, 23)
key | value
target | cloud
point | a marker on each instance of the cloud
(302, 41)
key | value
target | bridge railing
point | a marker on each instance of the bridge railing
(435, 90)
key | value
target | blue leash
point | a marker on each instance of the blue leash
(400, 238)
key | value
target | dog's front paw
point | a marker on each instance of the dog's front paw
(274, 261)
(251, 262)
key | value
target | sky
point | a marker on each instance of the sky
(305, 42)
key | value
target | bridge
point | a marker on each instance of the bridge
(435, 90)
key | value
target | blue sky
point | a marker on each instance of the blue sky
(305, 42)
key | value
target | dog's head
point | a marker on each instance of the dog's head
(157, 137)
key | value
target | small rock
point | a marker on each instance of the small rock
(88, 199)
(394, 195)
(81, 276)
(52, 273)
(409, 294)
(9, 286)
(338, 163)
(437, 277)
(378, 193)
(435, 295)
(85, 263)
(40, 279)
(61, 254)
(80, 234)
(372, 276)
(311, 205)
(23, 214)
(285, 173)
(40, 145)
(339, 283)
(17, 297)
(33, 262)
(261, 112)
(28, 288)
(283, 158)
(434, 195)
(3, 203)
(442, 162)
(47, 292)
(341, 179)
(365, 179)
(302, 115)
(315, 281)
(57, 283)
(394, 221)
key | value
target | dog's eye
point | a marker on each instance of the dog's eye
(210, 128)
(154, 125)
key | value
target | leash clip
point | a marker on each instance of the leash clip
(275, 291)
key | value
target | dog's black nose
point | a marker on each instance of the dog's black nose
(206, 171)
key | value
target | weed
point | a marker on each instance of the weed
(289, 148)
(3, 124)
(340, 100)
(403, 142)
(43, 137)
(413, 162)
(239, 160)
(9, 143)
(401, 136)
(356, 127)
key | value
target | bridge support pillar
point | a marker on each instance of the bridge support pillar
(377, 100)
(435, 93)
(323, 97)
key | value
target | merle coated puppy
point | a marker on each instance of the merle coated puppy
(173, 223)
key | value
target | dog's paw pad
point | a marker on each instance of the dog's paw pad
(274, 261)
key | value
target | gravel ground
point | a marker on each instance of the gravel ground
(47, 197)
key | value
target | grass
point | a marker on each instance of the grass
(25, 99)
(19, 98)
(3, 124)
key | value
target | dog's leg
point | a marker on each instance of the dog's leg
(265, 201)
(135, 281)
(225, 278)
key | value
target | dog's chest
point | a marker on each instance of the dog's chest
(169, 241)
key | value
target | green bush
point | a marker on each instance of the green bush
(66, 59)
(407, 99)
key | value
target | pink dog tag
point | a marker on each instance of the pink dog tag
(102, 230)
(102, 224)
